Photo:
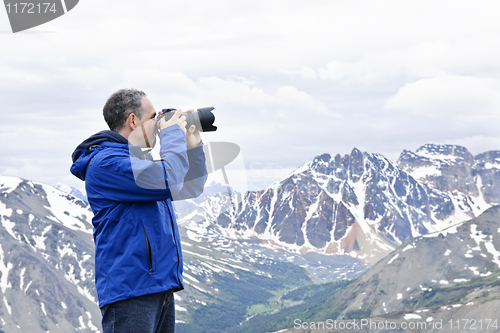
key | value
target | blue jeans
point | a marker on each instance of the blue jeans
(154, 313)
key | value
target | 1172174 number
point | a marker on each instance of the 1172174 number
(31, 8)
(472, 324)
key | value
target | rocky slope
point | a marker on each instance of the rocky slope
(452, 168)
(46, 260)
(441, 267)
(446, 281)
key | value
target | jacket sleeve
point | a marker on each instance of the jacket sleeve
(121, 176)
(196, 177)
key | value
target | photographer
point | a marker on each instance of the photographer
(138, 259)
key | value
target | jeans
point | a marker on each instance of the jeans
(154, 313)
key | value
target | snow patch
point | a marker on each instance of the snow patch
(460, 280)
(21, 278)
(82, 323)
(474, 270)
(4, 269)
(392, 259)
(85, 292)
(66, 212)
(489, 165)
(434, 155)
(5, 213)
(491, 249)
(43, 308)
(425, 171)
(29, 284)
(9, 308)
(409, 246)
(9, 184)
(409, 316)
(190, 278)
(90, 324)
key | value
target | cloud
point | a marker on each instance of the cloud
(289, 79)
(425, 59)
(242, 97)
(449, 96)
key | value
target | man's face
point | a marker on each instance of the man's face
(144, 134)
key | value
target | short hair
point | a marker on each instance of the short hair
(120, 105)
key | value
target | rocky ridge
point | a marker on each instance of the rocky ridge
(447, 281)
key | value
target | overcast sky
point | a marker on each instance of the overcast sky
(289, 79)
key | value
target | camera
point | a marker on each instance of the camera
(202, 118)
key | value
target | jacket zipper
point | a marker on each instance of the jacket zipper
(176, 245)
(148, 247)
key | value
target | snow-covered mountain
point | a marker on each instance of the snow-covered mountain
(70, 190)
(451, 168)
(360, 204)
(46, 260)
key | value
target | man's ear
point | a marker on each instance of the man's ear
(132, 121)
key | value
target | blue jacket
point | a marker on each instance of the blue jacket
(137, 243)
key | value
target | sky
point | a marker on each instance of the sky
(289, 80)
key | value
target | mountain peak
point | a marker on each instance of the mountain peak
(323, 158)
(492, 156)
(436, 151)
(445, 167)
(355, 151)
(9, 184)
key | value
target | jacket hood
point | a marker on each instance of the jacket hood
(83, 155)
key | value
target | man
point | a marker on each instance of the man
(138, 255)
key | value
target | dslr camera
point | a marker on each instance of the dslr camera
(202, 118)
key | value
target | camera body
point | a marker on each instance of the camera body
(202, 118)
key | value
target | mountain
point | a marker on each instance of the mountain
(71, 190)
(446, 278)
(452, 168)
(257, 254)
(441, 268)
(360, 204)
(47, 269)
(186, 207)
(46, 260)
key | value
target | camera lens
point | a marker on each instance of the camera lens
(203, 118)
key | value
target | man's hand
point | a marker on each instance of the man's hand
(193, 137)
(176, 119)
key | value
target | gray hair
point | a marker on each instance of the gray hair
(120, 105)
